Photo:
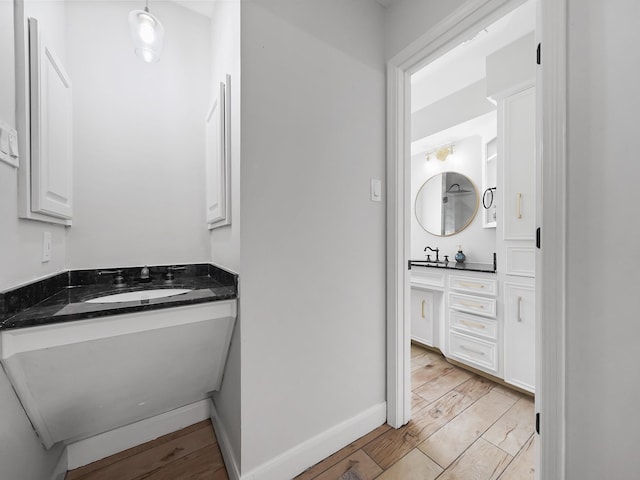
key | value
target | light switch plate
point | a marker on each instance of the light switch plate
(8, 145)
(46, 246)
(376, 190)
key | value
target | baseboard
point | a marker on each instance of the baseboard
(105, 444)
(228, 455)
(60, 472)
(299, 458)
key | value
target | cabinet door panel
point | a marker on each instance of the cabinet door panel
(519, 336)
(51, 130)
(519, 165)
(422, 316)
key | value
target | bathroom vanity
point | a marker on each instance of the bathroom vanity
(83, 364)
(466, 312)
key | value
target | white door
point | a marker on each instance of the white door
(520, 335)
(422, 311)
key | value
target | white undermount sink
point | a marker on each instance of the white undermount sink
(139, 295)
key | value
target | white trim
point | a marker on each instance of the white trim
(230, 461)
(294, 461)
(461, 24)
(551, 267)
(101, 446)
(550, 283)
(60, 470)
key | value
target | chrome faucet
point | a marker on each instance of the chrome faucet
(437, 250)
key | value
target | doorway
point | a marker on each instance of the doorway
(464, 24)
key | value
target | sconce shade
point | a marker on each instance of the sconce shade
(147, 33)
(441, 153)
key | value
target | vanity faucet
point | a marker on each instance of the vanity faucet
(118, 280)
(437, 250)
(169, 276)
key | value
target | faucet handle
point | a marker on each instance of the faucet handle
(428, 258)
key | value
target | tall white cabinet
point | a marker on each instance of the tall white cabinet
(516, 233)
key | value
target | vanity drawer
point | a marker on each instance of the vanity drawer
(473, 324)
(471, 304)
(427, 277)
(473, 351)
(483, 286)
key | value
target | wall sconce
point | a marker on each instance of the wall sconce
(441, 153)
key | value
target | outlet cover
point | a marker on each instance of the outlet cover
(46, 246)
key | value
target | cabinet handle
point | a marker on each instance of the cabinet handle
(471, 285)
(464, 347)
(473, 305)
(520, 309)
(519, 205)
(423, 301)
(472, 324)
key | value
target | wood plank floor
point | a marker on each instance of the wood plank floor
(191, 453)
(464, 427)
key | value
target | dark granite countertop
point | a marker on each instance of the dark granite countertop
(62, 297)
(465, 267)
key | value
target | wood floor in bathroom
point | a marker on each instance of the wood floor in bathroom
(191, 453)
(464, 427)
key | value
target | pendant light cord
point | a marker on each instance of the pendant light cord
(146, 6)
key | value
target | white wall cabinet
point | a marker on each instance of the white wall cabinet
(518, 157)
(422, 316)
(519, 335)
(51, 130)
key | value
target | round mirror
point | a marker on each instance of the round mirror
(446, 204)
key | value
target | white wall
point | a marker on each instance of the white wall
(511, 66)
(225, 242)
(21, 454)
(477, 243)
(406, 20)
(603, 387)
(313, 248)
(21, 240)
(138, 138)
(225, 54)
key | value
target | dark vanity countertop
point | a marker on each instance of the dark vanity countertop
(465, 267)
(62, 298)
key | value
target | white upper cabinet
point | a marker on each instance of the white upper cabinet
(518, 127)
(51, 130)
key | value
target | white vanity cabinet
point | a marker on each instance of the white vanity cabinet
(473, 331)
(422, 312)
(519, 335)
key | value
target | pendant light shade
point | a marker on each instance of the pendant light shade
(147, 33)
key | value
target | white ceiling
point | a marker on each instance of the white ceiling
(485, 126)
(465, 64)
(386, 3)
(203, 7)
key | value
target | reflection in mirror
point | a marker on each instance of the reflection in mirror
(446, 204)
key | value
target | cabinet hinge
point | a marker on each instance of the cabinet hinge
(538, 237)
(538, 423)
(538, 54)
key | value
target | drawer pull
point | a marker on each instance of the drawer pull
(520, 309)
(469, 304)
(478, 352)
(423, 308)
(472, 324)
(471, 285)
(519, 206)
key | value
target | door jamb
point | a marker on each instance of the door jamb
(551, 267)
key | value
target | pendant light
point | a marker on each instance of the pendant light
(147, 33)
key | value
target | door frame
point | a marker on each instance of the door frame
(551, 32)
